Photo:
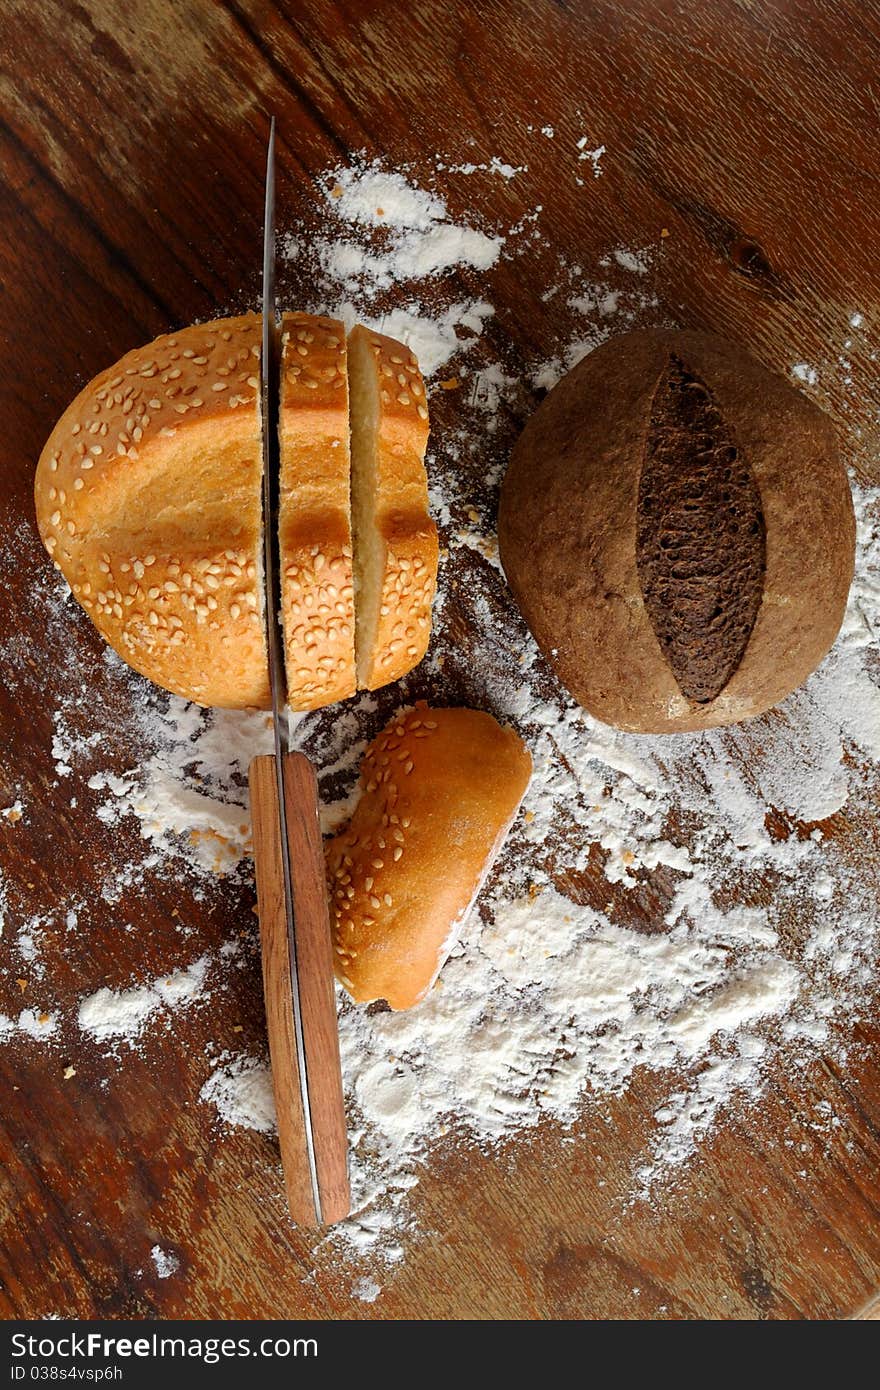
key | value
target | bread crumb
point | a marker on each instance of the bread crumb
(69, 1072)
(451, 383)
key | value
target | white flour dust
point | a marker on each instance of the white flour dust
(109, 1015)
(241, 1090)
(165, 1262)
(548, 1004)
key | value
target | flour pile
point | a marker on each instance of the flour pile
(549, 1002)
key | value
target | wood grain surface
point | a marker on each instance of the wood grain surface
(132, 141)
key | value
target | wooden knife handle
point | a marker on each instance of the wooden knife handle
(317, 997)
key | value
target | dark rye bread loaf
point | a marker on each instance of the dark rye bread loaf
(678, 530)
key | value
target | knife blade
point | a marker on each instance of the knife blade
(289, 866)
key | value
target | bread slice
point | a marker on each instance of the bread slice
(314, 519)
(148, 498)
(440, 790)
(395, 540)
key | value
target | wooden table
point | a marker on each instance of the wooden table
(132, 148)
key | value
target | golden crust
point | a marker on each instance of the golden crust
(148, 499)
(315, 513)
(432, 780)
(406, 534)
(409, 582)
(155, 459)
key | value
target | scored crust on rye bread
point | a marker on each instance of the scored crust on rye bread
(395, 541)
(440, 788)
(148, 499)
(677, 528)
(314, 515)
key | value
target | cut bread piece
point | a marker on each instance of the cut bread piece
(314, 517)
(439, 791)
(148, 498)
(395, 540)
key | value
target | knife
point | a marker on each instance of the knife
(289, 866)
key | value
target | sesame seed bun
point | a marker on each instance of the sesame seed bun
(395, 540)
(440, 790)
(315, 513)
(148, 499)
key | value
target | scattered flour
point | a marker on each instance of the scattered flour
(548, 1003)
(111, 1015)
(594, 156)
(241, 1090)
(434, 339)
(416, 237)
(166, 1262)
(637, 262)
(367, 1290)
(192, 786)
(39, 1026)
(802, 371)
